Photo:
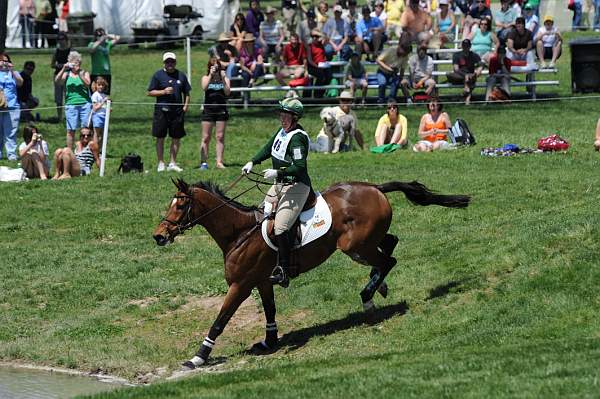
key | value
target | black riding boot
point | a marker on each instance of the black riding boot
(280, 272)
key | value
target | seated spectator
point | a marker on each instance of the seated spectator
(251, 61)
(293, 60)
(227, 54)
(445, 23)
(597, 140)
(548, 43)
(466, 69)
(34, 154)
(532, 21)
(306, 26)
(351, 15)
(292, 10)
(318, 67)
(68, 164)
(238, 30)
(416, 22)
(254, 17)
(369, 34)
(337, 31)
(322, 13)
(10, 81)
(392, 63)
(433, 129)
(483, 40)
(477, 12)
(393, 9)
(504, 20)
(420, 75)
(519, 44)
(24, 93)
(392, 128)
(271, 35)
(499, 73)
(356, 76)
(379, 12)
(99, 99)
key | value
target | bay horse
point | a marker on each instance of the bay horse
(361, 217)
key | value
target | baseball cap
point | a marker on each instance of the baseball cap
(528, 7)
(548, 18)
(443, 2)
(338, 8)
(466, 42)
(169, 56)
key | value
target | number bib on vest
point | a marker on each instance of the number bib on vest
(280, 144)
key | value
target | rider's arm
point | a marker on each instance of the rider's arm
(265, 152)
(299, 151)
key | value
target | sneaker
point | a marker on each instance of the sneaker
(543, 65)
(552, 65)
(174, 168)
(161, 167)
(203, 166)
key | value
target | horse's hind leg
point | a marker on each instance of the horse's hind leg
(267, 297)
(386, 246)
(234, 298)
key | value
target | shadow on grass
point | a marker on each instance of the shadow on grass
(297, 339)
(443, 290)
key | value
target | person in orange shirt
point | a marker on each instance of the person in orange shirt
(433, 129)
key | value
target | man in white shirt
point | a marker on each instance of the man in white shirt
(548, 43)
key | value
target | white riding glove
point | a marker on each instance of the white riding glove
(247, 168)
(270, 174)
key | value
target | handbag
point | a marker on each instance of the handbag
(553, 143)
(131, 163)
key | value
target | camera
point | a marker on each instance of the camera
(39, 137)
(68, 66)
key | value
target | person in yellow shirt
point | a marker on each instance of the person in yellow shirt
(392, 127)
(393, 9)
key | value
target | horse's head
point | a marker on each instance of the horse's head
(178, 216)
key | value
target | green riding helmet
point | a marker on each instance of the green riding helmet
(292, 105)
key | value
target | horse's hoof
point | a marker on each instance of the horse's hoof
(187, 366)
(383, 289)
(369, 306)
(262, 347)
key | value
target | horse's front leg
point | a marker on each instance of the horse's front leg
(267, 297)
(236, 294)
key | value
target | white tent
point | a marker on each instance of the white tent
(116, 16)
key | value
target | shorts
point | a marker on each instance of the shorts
(78, 116)
(218, 117)
(358, 82)
(548, 53)
(168, 121)
(444, 145)
(98, 119)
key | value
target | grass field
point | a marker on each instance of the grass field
(496, 300)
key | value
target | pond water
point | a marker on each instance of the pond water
(32, 384)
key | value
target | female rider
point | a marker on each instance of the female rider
(288, 149)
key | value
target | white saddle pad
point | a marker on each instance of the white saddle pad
(314, 223)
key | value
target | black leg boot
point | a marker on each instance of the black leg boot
(280, 272)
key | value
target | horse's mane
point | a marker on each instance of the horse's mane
(214, 188)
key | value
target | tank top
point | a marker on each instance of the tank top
(439, 124)
(481, 43)
(215, 99)
(444, 24)
(76, 93)
(86, 159)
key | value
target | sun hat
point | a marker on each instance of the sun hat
(316, 32)
(270, 10)
(345, 95)
(169, 56)
(224, 37)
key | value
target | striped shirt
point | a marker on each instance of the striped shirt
(86, 160)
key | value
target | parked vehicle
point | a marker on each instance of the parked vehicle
(177, 22)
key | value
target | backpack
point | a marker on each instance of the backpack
(461, 134)
(131, 163)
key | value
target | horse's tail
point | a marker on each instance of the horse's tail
(418, 194)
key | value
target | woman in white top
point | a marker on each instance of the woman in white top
(271, 34)
(34, 154)
(548, 43)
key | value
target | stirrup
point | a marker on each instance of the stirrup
(279, 276)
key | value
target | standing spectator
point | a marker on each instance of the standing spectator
(504, 20)
(43, 22)
(294, 60)
(306, 26)
(337, 31)
(171, 88)
(433, 129)
(238, 30)
(291, 11)
(532, 21)
(392, 63)
(227, 54)
(577, 14)
(466, 69)
(26, 18)
(519, 44)
(10, 81)
(251, 61)
(476, 13)
(318, 66)
(69, 164)
(597, 139)
(356, 76)
(63, 6)
(596, 15)
(369, 34)
(33, 152)
(27, 101)
(483, 40)
(100, 48)
(548, 43)
(392, 128)
(78, 103)
(216, 87)
(416, 22)
(393, 9)
(420, 75)
(254, 17)
(271, 35)
(59, 59)
(499, 73)
(445, 23)
(322, 13)
(99, 99)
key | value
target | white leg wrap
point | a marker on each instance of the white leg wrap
(271, 327)
(208, 342)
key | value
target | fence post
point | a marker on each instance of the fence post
(189, 58)
(105, 138)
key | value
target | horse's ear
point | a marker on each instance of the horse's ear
(181, 185)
